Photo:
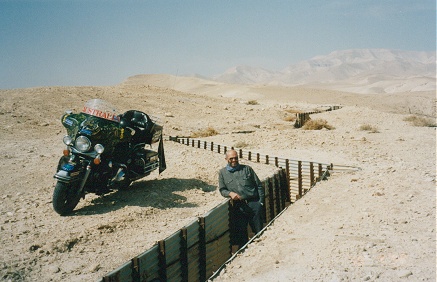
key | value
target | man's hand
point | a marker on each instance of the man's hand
(234, 196)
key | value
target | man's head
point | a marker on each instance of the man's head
(232, 158)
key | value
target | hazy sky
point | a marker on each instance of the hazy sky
(97, 42)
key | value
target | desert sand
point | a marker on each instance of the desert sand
(375, 222)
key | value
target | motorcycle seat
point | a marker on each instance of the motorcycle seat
(136, 119)
(140, 122)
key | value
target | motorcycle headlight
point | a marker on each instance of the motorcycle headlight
(67, 140)
(99, 148)
(82, 144)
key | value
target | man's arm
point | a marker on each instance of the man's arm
(259, 186)
(222, 186)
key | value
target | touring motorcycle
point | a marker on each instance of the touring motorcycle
(105, 151)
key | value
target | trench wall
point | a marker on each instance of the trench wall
(199, 249)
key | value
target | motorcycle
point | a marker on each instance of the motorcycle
(105, 151)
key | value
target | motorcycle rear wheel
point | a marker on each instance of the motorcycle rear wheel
(65, 198)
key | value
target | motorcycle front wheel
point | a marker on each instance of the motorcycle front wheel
(65, 198)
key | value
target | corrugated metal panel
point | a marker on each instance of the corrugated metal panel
(197, 250)
(217, 221)
(172, 248)
(276, 187)
(217, 253)
(265, 184)
(192, 233)
(121, 274)
(174, 272)
(267, 201)
(149, 264)
(193, 263)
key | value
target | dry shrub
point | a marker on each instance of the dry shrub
(209, 131)
(294, 111)
(420, 121)
(317, 124)
(14, 274)
(369, 128)
(290, 118)
(241, 144)
(252, 102)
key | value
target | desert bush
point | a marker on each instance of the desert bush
(420, 121)
(289, 118)
(369, 128)
(252, 102)
(209, 131)
(294, 111)
(241, 144)
(317, 124)
(14, 274)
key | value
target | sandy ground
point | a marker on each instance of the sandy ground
(374, 224)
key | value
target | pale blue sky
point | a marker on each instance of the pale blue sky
(97, 42)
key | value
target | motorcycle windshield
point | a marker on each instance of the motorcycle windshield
(101, 109)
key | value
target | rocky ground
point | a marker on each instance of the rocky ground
(373, 224)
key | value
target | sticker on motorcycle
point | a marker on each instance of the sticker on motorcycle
(68, 167)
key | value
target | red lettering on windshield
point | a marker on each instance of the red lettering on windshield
(100, 114)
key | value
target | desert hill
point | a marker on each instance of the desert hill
(375, 222)
(410, 102)
(356, 70)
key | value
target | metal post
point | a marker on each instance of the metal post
(162, 261)
(311, 174)
(299, 179)
(202, 249)
(287, 175)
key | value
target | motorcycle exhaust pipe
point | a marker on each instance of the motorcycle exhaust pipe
(120, 175)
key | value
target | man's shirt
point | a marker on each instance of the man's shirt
(243, 181)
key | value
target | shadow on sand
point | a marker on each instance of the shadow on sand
(158, 193)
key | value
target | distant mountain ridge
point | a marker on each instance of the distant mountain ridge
(356, 70)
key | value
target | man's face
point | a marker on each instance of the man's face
(232, 158)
